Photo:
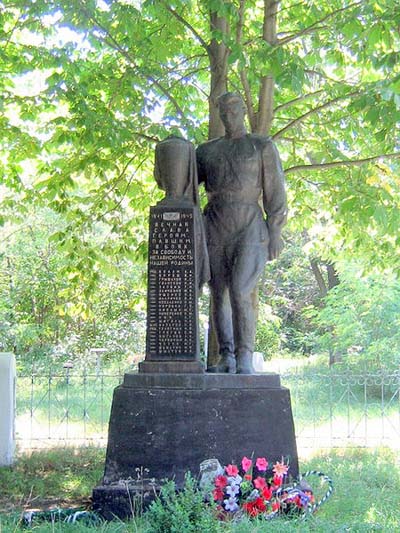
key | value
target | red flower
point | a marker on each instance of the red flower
(232, 470)
(218, 494)
(262, 464)
(275, 506)
(277, 481)
(246, 464)
(297, 501)
(248, 477)
(221, 482)
(267, 493)
(310, 495)
(260, 483)
(251, 508)
(260, 504)
(255, 507)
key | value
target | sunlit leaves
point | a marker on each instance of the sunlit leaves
(90, 87)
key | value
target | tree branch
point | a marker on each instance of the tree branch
(319, 277)
(348, 163)
(315, 25)
(147, 137)
(298, 99)
(11, 32)
(249, 100)
(114, 44)
(305, 31)
(186, 24)
(218, 54)
(177, 66)
(240, 23)
(312, 111)
(265, 109)
(118, 178)
(243, 73)
(329, 78)
(282, 9)
(186, 75)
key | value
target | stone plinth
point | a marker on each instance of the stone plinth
(169, 424)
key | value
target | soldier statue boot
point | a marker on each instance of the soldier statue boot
(244, 363)
(226, 364)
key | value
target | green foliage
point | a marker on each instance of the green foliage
(89, 87)
(360, 319)
(185, 510)
(39, 318)
(287, 286)
(367, 483)
(268, 338)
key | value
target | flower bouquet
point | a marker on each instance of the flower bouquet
(257, 489)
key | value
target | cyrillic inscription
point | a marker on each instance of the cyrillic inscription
(171, 323)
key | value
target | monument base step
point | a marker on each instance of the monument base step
(171, 367)
(162, 426)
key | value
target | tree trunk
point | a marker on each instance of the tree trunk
(266, 94)
(323, 289)
(213, 346)
(218, 55)
(333, 277)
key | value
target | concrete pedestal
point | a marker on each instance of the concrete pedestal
(7, 410)
(169, 423)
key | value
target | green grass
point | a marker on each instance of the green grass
(43, 478)
(366, 497)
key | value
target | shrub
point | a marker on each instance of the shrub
(361, 319)
(177, 511)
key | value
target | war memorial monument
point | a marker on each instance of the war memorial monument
(174, 413)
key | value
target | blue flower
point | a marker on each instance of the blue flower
(304, 499)
(253, 495)
(231, 504)
(232, 490)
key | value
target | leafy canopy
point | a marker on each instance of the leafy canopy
(90, 86)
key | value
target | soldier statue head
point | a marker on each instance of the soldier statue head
(232, 111)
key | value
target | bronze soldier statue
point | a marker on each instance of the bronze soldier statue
(241, 173)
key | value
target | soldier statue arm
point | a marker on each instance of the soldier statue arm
(274, 197)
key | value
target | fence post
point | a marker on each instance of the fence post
(7, 402)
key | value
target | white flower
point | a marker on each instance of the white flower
(235, 480)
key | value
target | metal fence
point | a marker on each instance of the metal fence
(337, 409)
(64, 408)
(330, 409)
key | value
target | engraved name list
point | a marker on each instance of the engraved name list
(171, 298)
